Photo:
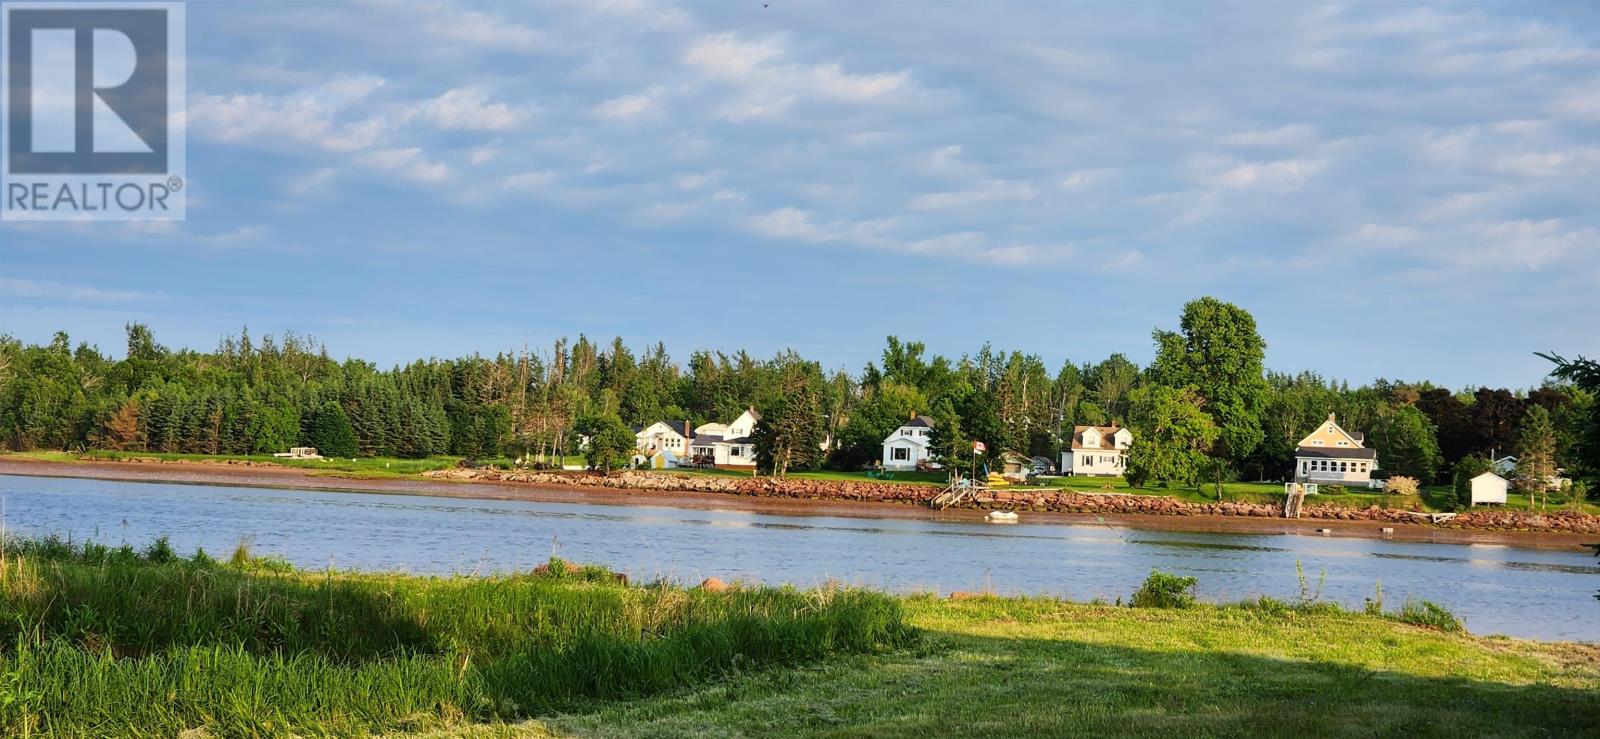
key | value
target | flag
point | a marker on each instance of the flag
(978, 446)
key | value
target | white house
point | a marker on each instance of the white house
(1097, 450)
(1332, 456)
(731, 447)
(908, 445)
(663, 436)
(1487, 488)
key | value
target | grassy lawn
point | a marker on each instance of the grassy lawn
(113, 642)
(1011, 667)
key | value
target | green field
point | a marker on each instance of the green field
(116, 642)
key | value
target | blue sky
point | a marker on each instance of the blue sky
(1406, 191)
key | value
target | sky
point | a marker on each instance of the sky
(1393, 190)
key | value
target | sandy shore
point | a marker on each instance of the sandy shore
(202, 473)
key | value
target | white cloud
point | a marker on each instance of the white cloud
(529, 181)
(410, 163)
(13, 287)
(316, 115)
(1279, 175)
(485, 31)
(769, 86)
(470, 109)
(726, 56)
(984, 193)
(831, 81)
(625, 107)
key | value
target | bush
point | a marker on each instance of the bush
(1334, 489)
(1164, 590)
(1402, 485)
(1466, 469)
(1427, 614)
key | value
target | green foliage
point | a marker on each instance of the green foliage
(1429, 615)
(1171, 435)
(1218, 352)
(789, 435)
(1466, 469)
(1164, 590)
(330, 431)
(1406, 443)
(137, 647)
(611, 442)
(1536, 451)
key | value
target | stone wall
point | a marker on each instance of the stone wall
(1062, 501)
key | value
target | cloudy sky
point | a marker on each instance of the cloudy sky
(1393, 190)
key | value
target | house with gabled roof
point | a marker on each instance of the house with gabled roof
(1332, 455)
(663, 436)
(908, 446)
(726, 445)
(1097, 450)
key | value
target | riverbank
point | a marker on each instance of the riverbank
(182, 644)
(703, 492)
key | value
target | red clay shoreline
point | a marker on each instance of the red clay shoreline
(216, 473)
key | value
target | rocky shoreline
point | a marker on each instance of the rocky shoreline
(1054, 501)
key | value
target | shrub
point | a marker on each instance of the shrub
(1427, 614)
(1334, 489)
(1164, 590)
(160, 551)
(1402, 485)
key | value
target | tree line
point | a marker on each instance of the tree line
(1205, 409)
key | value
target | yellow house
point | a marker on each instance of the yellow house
(1332, 455)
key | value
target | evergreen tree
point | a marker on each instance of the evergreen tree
(1536, 452)
(330, 431)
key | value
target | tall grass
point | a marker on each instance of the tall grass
(115, 641)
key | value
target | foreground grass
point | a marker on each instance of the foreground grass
(1010, 667)
(113, 642)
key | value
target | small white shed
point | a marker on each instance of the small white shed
(1488, 488)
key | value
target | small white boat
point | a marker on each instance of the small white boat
(1001, 517)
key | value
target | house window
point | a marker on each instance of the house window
(1316, 442)
(900, 454)
(736, 452)
(1088, 461)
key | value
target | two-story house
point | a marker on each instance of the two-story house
(908, 445)
(1331, 455)
(726, 445)
(663, 436)
(1097, 450)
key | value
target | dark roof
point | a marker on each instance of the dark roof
(1316, 452)
(1106, 442)
(919, 422)
(704, 440)
(740, 440)
(1358, 436)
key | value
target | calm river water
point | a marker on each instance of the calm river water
(1496, 589)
